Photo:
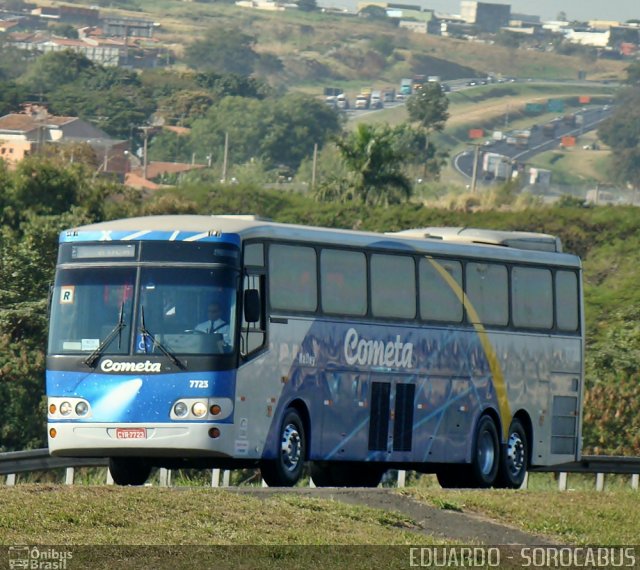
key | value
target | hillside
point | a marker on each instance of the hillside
(346, 50)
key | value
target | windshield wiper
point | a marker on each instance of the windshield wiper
(117, 330)
(156, 343)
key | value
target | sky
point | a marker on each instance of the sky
(583, 10)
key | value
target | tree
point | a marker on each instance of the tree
(307, 5)
(375, 165)
(298, 122)
(222, 50)
(429, 108)
(55, 69)
(277, 131)
(622, 133)
(633, 74)
(12, 96)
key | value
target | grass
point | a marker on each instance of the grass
(607, 518)
(100, 515)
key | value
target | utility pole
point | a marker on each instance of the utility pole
(474, 175)
(315, 164)
(145, 163)
(225, 157)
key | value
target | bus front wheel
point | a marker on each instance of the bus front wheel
(129, 470)
(285, 470)
(515, 458)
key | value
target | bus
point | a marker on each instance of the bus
(453, 351)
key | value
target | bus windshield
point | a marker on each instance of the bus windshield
(182, 310)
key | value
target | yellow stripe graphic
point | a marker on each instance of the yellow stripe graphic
(490, 353)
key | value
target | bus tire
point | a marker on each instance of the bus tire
(514, 460)
(485, 459)
(129, 470)
(285, 470)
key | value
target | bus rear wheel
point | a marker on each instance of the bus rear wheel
(285, 470)
(129, 470)
(515, 458)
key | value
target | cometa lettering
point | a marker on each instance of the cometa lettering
(371, 352)
(109, 365)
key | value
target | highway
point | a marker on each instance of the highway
(591, 115)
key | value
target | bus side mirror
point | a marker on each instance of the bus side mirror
(252, 306)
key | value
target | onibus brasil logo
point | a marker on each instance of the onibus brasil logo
(39, 558)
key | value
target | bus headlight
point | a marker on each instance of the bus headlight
(82, 408)
(65, 408)
(199, 409)
(180, 409)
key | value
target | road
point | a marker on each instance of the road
(592, 116)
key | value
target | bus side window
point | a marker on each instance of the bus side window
(253, 334)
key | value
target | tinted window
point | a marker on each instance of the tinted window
(438, 298)
(532, 298)
(393, 286)
(487, 290)
(292, 278)
(343, 278)
(567, 300)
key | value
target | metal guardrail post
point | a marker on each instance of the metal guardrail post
(525, 481)
(599, 481)
(164, 477)
(226, 478)
(634, 481)
(402, 478)
(11, 480)
(215, 477)
(562, 482)
(110, 480)
(69, 474)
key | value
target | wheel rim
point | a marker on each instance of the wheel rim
(486, 453)
(291, 447)
(515, 454)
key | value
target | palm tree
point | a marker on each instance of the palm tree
(375, 165)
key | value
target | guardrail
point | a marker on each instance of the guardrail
(14, 462)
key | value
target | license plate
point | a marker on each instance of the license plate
(131, 433)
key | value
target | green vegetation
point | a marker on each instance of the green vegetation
(576, 517)
(104, 515)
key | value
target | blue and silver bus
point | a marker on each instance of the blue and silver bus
(235, 342)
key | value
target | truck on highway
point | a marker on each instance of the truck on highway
(363, 100)
(342, 102)
(549, 129)
(388, 95)
(496, 166)
(376, 100)
(406, 87)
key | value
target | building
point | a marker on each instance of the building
(107, 53)
(128, 27)
(487, 18)
(26, 133)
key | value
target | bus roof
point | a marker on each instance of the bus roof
(520, 240)
(467, 242)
